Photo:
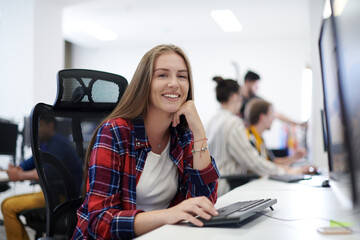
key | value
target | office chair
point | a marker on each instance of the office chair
(236, 180)
(84, 99)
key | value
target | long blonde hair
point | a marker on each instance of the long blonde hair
(135, 100)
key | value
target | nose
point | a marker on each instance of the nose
(173, 82)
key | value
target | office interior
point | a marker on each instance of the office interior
(279, 41)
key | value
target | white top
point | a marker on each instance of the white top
(158, 182)
(232, 150)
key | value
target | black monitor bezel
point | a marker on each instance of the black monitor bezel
(344, 110)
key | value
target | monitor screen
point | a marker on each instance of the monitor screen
(348, 38)
(8, 138)
(336, 108)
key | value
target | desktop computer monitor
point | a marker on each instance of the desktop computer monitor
(340, 64)
(8, 138)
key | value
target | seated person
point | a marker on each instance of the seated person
(260, 115)
(54, 144)
(148, 162)
(228, 142)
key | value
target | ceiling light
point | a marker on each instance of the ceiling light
(97, 31)
(339, 6)
(327, 10)
(226, 20)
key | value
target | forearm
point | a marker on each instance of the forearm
(201, 158)
(147, 221)
(30, 175)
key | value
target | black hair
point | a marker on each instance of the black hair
(224, 88)
(251, 76)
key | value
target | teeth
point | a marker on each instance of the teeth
(171, 95)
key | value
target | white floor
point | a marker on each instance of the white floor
(31, 233)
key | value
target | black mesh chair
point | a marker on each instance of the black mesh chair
(84, 99)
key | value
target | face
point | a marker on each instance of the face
(269, 118)
(254, 87)
(236, 99)
(169, 84)
(45, 129)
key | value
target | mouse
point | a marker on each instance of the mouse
(325, 183)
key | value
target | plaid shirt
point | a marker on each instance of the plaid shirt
(117, 161)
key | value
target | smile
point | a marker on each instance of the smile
(172, 96)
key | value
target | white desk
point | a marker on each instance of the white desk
(295, 201)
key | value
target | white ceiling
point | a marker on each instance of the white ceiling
(166, 21)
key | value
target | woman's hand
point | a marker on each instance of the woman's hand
(190, 208)
(188, 109)
(186, 210)
(201, 157)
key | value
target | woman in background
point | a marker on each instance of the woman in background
(148, 163)
(228, 142)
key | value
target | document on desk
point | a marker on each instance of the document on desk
(4, 176)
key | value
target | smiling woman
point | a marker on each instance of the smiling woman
(146, 147)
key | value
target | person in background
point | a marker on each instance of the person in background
(249, 91)
(50, 142)
(228, 142)
(148, 161)
(260, 115)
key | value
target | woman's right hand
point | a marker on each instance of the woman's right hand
(188, 209)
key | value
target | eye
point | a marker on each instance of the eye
(162, 75)
(183, 76)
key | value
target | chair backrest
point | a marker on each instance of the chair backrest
(84, 99)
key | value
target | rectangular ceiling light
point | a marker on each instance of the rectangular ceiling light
(338, 6)
(226, 20)
(97, 31)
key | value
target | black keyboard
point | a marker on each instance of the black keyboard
(241, 210)
(240, 206)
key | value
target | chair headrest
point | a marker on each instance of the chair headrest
(88, 90)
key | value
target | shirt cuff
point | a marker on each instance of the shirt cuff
(205, 176)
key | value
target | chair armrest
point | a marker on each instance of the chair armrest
(236, 180)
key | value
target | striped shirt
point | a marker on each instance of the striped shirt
(231, 148)
(117, 161)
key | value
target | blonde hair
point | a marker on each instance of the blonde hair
(135, 100)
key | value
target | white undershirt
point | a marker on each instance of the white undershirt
(158, 182)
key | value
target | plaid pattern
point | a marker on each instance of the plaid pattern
(115, 167)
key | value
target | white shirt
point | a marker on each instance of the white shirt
(158, 182)
(232, 150)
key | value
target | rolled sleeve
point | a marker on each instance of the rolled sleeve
(205, 176)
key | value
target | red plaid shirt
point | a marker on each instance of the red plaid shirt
(117, 161)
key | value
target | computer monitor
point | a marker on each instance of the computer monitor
(339, 54)
(8, 138)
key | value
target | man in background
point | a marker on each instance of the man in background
(50, 142)
(260, 115)
(249, 91)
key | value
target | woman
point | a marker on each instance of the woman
(149, 156)
(228, 142)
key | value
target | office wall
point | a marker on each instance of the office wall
(280, 64)
(31, 53)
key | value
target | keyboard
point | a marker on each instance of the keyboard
(290, 178)
(239, 206)
(239, 211)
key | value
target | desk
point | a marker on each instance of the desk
(295, 201)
